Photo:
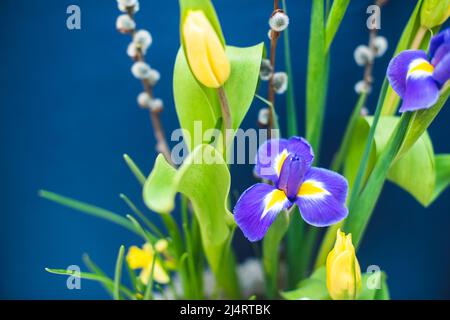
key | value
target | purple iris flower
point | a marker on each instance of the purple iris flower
(319, 193)
(418, 78)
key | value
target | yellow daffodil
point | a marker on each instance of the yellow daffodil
(204, 50)
(343, 271)
(138, 258)
(434, 13)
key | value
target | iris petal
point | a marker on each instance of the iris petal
(422, 92)
(322, 197)
(398, 69)
(301, 148)
(257, 208)
(438, 40)
(442, 70)
(270, 157)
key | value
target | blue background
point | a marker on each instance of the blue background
(68, 113)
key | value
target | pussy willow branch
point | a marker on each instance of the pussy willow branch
(155, 115)
(274, 35)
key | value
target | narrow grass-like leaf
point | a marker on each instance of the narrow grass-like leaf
(134, 169)
(334, 20)
(88, 209)
(316, 76)
(95, 277)
(118, 273)
(96, 270)
(141, 216)
(143, 233)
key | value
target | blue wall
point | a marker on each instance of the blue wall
(68, 113)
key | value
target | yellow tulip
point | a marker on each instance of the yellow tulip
(138, 258)
(434, 13)
(205, 53)
(343, 271)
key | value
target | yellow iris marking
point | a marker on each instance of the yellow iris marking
(424, 66)
(310, 188)
(282, 158)
(276, 197)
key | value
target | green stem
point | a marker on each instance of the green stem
(343, 149)
(365, 159)
(364, 205)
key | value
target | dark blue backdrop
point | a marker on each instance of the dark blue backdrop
(68, 113)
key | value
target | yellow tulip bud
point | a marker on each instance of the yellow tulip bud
(205, 53)
(434, 13)
(343, 271)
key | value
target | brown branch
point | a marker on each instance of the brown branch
(274, 35)
(155, 115)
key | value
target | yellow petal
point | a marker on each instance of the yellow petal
(138, 258)
(160, 275)
(204, 51)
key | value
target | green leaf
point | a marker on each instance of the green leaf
(423, 119)
(337, 13)
(271, 252)
(87, 208)
(118, 273)
(316, 82)
(92, 276)
(205, 179)
(197, 103)
(96, 270)
(313, 288)
(442, 162)
(134, 169)
(414, 171)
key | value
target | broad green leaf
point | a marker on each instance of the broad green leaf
(442, 162)
(337, 13)
(205, 179)
(373, 287)
(316, 82)
(414, 171)
(313, 288)
(195, 102)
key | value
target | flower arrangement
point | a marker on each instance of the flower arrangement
(214, 85)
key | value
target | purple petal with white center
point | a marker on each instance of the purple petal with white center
(421, 93)
(257, 208)
(322, 197)
(270, 157)
(398, 69)
(441, 38)
(442, 70)
(301, 148)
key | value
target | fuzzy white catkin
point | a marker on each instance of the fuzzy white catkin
(381, 45)
(143, 99)
(362, 55)
(132, 50)
(124, 23)
(263, 116)
(153, 76)
(127, 3)
(279, 21)
(140, 70)
(266, 70)
(280, 82)
(364, 112)
(362, 87)
(155, 104)
(142, 39)
(125, 8)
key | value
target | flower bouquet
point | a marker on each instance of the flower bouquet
(292, 197)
